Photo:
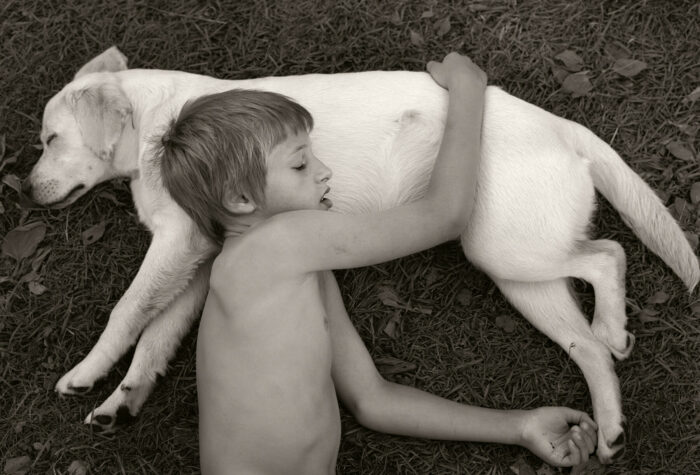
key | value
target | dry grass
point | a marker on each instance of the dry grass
(458, 351)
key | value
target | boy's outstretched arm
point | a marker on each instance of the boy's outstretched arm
(558, 435)
(309, 241)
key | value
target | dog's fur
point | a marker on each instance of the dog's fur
(378, 132)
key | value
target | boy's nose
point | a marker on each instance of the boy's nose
(324, 173)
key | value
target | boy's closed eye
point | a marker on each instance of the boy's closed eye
(301, 166)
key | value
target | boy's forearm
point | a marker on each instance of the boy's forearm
(403, 410)
(453, 182)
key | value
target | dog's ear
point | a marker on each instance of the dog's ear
(111, 60)
(101, 112)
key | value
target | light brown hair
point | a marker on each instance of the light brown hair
(217, 148)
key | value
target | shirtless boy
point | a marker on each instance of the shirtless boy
(276, 348)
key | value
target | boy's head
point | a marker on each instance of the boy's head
(219, 157)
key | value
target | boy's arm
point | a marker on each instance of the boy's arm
(396, 409)
(313, 240)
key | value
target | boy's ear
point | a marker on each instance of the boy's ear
(241, 204)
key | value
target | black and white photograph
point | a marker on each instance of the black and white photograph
(349, 237)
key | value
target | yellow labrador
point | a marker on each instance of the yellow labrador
(378, 132)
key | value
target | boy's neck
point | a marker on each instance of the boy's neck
(242, 224)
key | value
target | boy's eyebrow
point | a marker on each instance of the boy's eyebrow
(300, 147)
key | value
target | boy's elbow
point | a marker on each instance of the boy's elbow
(366, 406)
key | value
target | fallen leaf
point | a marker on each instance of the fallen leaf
(2, 208)
(395, 18)
(658, 297)
(647, 315)
(577, 84)
(617, 51)
(443, 26)
(521, 467)
(391, 326)
(30, 276)
(432, 276)
(19, 426)
(687, 129)
(416, 38)
(39, 258)
(2, 146)
(93, 233)
(390, 365)
(662, 194)
(506, 323)
(695, 308)
(13, 182)
(389, 298)
(571, 60)
(559, 73)
(110, 197)
(464, 297)
(629, 67)
(545, 470)
(695, 193)
(36, 288)
(17, 465)
(681, 208)
(77, 467)
(693, 96)
(679, 150)
(591, 467)
(427, 14)
(692, 238)
(22, 241)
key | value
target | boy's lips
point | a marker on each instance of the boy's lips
(325, 200)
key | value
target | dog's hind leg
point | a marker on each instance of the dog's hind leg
(550, 307)
(602, 263)
(154, 349)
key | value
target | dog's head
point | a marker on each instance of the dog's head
(81, 128)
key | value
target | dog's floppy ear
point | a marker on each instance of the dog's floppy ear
(101, 112)
(111, 60)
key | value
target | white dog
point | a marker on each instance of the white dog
(378, 132)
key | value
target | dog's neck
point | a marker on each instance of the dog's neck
(126, 152)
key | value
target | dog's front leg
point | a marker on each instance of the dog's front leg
(170, 262)
(154, 349)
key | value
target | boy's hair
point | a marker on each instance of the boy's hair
(217, 148)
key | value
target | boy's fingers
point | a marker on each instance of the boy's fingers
(588, 440)
(590, 432)
(582, 442)
(574, 457)
(578, 417)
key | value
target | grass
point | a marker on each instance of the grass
(458, 351)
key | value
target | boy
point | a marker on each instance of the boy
(275, 344)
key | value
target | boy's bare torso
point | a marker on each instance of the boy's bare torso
(256, 370)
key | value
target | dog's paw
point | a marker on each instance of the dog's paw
(76, 382)
(611, 443)
(108, 423)
(121, 407)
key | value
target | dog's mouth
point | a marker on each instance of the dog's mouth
(68, 199)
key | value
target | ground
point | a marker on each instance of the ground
(451, 333)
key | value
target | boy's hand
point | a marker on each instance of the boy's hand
(456, 70)
(560, 436)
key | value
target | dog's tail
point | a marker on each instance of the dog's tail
(639, 206)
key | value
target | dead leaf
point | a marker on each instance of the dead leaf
(681, 208)
(695, 193)
(416, 38)
(39, 258)
(427, 14)
(464, 297)
(392, 325)
(13, 182)
(22, 241)
(94, 233)
(17, 465)
(687, 129)
(19, 426)
(679, 150)
(110, 197)
(77, 467)
(658, 297)
(506, 323)
(662, 194)
(629, 67)
(432, 276)
(693, 96)
(2, 208)
(389, 298)
(695, 308)
(545, 470)
(577, 84)
(559, 73)
(2, 146)
(395, 18)
(390, 365)
(617, 51)
(521, 467)
(443, 26)
(692, 238)
(36, 288)
(571, 60)
(647, 315)
(29, 277)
